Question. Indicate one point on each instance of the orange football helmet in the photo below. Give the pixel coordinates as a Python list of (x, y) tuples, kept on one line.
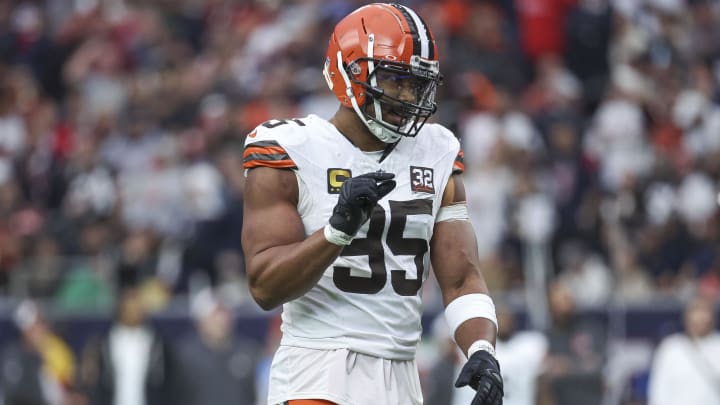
[(381, 42)]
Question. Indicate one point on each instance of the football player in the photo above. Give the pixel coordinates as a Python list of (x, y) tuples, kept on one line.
[(344, 217)]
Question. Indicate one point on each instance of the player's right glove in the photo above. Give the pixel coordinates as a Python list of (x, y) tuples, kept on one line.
[(482, 373), (358, 197)]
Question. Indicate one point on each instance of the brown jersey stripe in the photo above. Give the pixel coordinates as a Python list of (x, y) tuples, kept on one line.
[(263, 144), (270, 157), (271, 150)]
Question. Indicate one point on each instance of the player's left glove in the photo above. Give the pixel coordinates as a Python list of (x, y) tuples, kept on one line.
[(482, 373), (358, 197)]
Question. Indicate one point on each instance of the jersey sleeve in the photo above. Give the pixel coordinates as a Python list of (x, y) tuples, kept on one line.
[(459, 164), (261, 150), (446, 142)]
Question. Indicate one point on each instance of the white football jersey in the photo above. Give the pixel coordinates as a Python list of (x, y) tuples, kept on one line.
[(368, 300)]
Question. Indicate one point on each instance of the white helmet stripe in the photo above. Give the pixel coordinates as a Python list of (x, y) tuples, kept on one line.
[(371, 69), (422, 32)]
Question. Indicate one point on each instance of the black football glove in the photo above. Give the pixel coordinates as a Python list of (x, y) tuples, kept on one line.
[(482, 373), (358, 197)]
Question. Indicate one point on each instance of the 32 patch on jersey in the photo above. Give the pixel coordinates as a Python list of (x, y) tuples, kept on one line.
[(335, 179), (421, 179)]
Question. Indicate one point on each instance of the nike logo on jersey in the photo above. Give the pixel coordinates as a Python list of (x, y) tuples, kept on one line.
[(421, 180)]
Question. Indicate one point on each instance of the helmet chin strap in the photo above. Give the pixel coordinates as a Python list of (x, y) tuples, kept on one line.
[(380, 132)]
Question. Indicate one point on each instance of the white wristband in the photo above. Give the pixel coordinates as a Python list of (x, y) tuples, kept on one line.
[(336, 237), (481, 344), (454, 212), (469, 306)]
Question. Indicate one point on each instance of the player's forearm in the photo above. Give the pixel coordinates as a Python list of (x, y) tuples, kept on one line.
[(465, 293), (473, 330), (469, 282), (283, 273), (458, 274)]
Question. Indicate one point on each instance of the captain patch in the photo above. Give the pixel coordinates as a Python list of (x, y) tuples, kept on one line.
[(335, 179)]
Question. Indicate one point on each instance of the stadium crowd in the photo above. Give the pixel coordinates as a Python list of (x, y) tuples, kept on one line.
[(590, 128)]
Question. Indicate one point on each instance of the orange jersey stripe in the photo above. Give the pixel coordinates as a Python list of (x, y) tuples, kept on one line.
[(459, 164), (277, 164), (458, 167)]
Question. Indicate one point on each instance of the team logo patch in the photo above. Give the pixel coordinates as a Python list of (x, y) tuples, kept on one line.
[(335, 179), (421, 179)]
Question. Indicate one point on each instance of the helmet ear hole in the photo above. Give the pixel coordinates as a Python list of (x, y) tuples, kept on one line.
[(355, 69)]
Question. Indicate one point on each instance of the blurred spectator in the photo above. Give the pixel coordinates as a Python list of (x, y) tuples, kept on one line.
[(587, 276), (484, 47), (632, 282), (88, 281), (616, 142), (572, 369), (137, 261), (215, 205), (95, 70), (588, 28), (520, 352), (133, 364), (217, 367), (91, 190), (13, 130), (45, 269), (685, 368), (40, 370), (438, 386), (541, 25)]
